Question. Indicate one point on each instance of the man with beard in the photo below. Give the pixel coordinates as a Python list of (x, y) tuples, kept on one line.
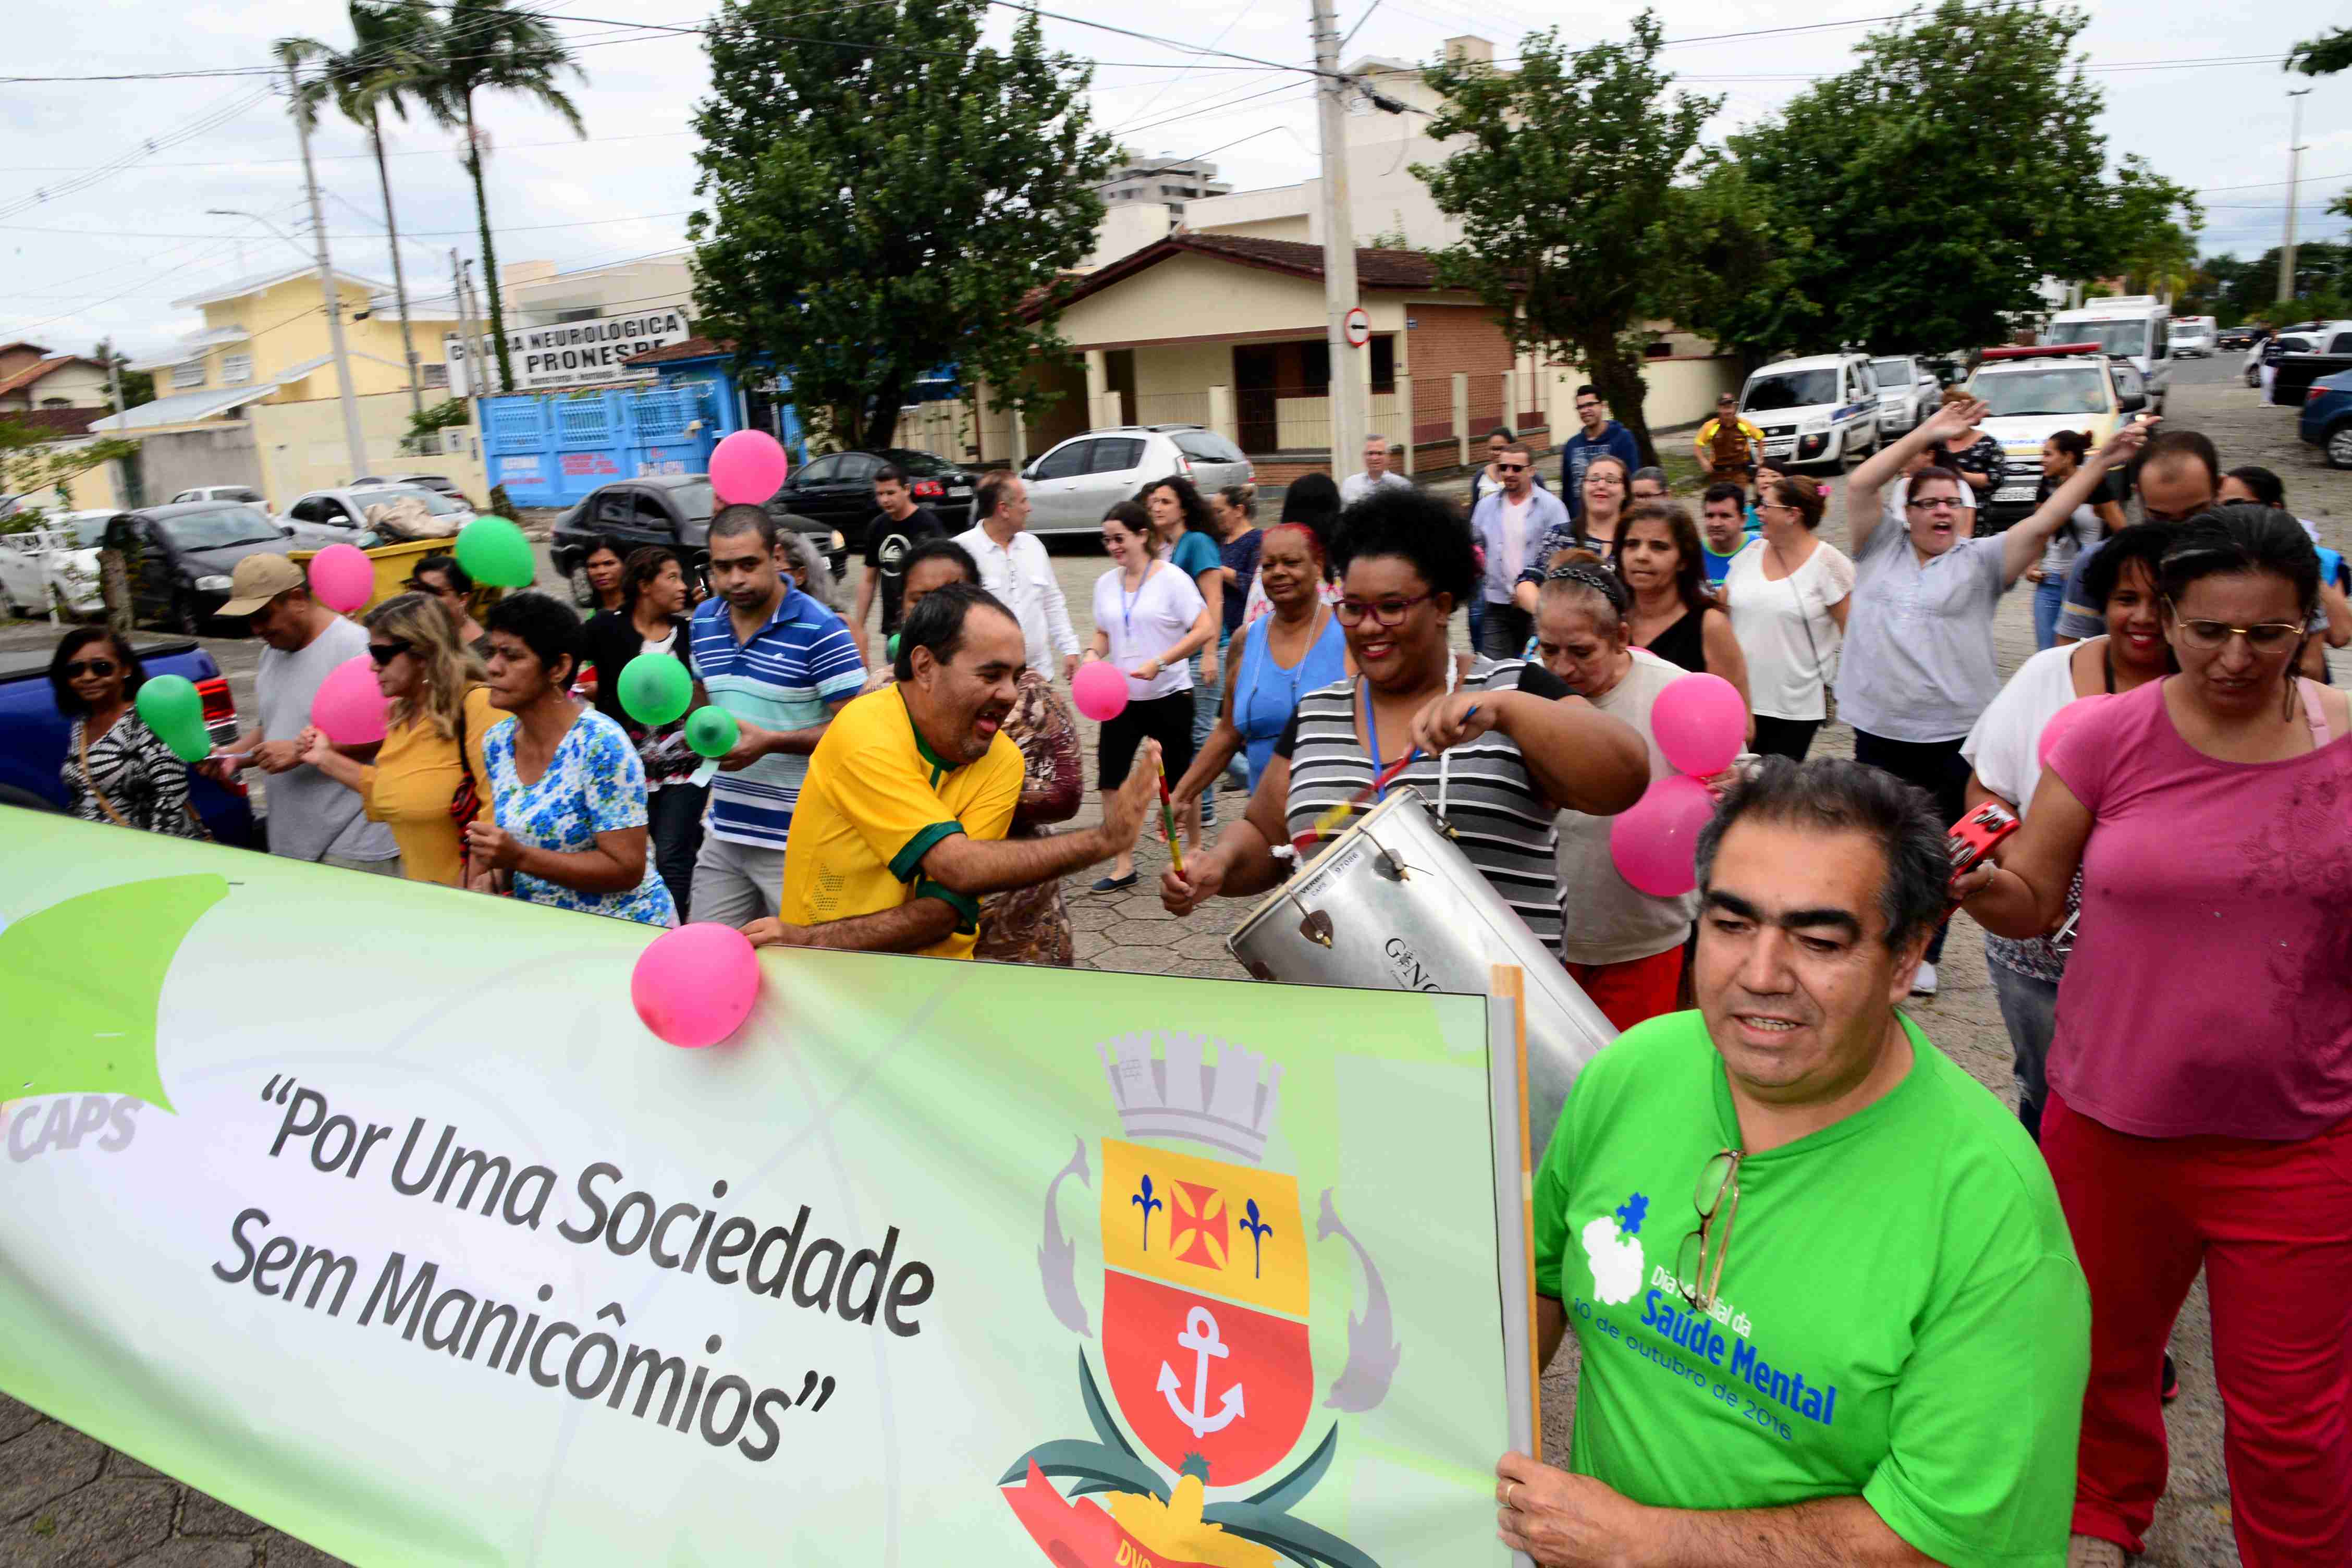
[(901, 823)]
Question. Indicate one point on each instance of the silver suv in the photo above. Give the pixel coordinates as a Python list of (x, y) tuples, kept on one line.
[(1075, 483)]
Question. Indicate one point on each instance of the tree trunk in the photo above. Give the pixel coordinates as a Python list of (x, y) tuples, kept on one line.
[(1618, 379), (399, 279), (489, 254), (882, 422)]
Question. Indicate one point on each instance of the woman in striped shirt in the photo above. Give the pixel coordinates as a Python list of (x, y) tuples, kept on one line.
[(1499, 746)]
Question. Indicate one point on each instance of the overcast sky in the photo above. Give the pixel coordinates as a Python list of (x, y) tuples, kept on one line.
[(108, 258)]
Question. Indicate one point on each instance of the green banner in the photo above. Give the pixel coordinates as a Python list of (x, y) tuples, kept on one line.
[(373, 1210)]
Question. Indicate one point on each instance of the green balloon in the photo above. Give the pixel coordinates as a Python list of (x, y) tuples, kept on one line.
[(890, 649), (655, 689), (494, 553), (712, 731), (169, 705)]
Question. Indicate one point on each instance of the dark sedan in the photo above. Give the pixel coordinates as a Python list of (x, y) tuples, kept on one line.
[(837, 490), (180, 557), (673, 511)]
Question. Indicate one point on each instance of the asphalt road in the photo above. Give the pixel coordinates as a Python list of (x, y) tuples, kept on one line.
[(65, 1499)]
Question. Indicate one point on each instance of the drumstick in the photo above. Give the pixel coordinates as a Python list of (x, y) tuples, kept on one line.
[(1167, 820)]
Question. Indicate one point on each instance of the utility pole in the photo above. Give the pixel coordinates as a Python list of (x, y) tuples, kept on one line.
[(463, 284), (353, 439), (126, 475), (2293, 179), (1346, 401)]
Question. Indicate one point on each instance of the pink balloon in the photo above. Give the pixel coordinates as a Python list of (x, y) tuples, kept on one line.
[(694, 986), (1655, 844), (1700, 724), (342, 578), (349, 705), (1099, 690), (748, 466), (2066, 719)]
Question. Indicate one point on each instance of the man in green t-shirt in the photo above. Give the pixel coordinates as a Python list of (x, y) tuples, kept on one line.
[(1864, 1339)]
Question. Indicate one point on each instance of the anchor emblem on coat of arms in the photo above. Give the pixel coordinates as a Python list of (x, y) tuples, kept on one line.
[(1205, 1317)]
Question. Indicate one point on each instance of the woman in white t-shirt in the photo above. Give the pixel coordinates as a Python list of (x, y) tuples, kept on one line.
[(1149, 619), (1788, 593)]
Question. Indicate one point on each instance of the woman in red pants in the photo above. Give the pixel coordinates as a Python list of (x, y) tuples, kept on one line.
[(2201, 1079)]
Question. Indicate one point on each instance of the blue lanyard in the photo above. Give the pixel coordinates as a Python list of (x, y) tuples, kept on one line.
[(1127, 602), (1372, 740)]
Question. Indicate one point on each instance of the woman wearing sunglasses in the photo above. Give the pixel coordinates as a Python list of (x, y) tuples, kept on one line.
[(2200, 1111), (428, 779), (116, 769), (1499, 746)]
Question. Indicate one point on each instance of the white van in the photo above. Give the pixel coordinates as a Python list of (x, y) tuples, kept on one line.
[(2127, 326), (2192, 336), (1823, 409)]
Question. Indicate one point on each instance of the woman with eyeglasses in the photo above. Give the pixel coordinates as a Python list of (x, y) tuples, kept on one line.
[(1149, 618), (116, 769), (428, 778), (567, 824), (1624, 946), (441, 576), (2200, 1109), (1789, 601), (1597, 527), (1499, 747), (652, 619), (1918, 667)]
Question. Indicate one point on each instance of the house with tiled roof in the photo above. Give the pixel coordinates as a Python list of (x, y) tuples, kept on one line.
[(32, 376)]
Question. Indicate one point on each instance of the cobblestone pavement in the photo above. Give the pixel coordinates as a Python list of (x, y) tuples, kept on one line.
[(69, 1502)]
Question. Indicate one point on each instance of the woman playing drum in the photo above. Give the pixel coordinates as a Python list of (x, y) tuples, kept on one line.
[(1497, 747)]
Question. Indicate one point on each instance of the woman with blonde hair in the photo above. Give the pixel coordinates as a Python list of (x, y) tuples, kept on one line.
[(428, 778)]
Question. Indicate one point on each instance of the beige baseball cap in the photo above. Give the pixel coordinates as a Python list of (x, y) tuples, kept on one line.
[(259, 579)]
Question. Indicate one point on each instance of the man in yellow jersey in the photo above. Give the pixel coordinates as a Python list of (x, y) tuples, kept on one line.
[(900, 825)]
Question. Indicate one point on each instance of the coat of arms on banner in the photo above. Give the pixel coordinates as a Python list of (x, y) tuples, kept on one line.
[(1206, 1330)]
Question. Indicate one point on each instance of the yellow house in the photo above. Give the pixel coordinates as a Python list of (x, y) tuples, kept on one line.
[(269, 334)]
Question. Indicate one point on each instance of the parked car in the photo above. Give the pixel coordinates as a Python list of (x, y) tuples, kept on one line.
[(2294, 369), (33, 733), (245, 493), (669, 510), (440, 484), (2238, 337), (36, 571), (1907, 392), (1823, 409), (2031, 395), (2326, 418), (1073, 484), (837, 490), (2138, 327), (339, 516), (180, 557)]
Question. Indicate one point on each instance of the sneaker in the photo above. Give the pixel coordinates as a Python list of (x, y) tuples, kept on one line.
[(2090, 1552), (1115, 884), (1924, 983)]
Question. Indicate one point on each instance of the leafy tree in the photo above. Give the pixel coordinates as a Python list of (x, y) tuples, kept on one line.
[(1939, 180), (1739, 265), (2323, 55), (1562, 185), (137, 385), (391, 42), (33, 461), (885, 195), (486, 46)]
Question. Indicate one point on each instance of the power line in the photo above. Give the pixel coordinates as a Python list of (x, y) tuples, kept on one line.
[(212, 119), (1195, 113), (420, 233)]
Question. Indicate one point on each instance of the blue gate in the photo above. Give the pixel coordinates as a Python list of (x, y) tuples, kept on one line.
[(551, 449)]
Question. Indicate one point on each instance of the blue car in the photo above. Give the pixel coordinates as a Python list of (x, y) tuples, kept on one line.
[(2327, 417)]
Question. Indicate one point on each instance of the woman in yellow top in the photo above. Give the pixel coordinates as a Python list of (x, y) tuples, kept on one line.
[(435, 685)]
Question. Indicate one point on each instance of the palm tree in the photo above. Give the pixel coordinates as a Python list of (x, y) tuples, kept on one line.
[(378, 72), (485, 46)]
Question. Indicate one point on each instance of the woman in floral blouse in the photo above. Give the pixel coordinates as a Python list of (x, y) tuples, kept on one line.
[(116, 770), (1975, 454), (566, 785), (1027, 925)]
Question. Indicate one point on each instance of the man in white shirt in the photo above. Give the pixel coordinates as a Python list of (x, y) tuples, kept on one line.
[(1509, 523), (1014, 567), (1376, 473)]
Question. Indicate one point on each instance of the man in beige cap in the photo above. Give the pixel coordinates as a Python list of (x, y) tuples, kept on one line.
[(310, 816)]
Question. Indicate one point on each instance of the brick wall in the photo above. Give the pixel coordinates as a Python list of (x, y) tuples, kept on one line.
[(1447, 340)]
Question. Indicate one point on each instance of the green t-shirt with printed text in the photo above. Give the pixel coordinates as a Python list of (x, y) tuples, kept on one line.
[(1902, 1316)]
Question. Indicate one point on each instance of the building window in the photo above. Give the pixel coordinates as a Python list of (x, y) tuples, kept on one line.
[(586, 313), (188, 374), (1384, 362), (236, 369), (436, 375)]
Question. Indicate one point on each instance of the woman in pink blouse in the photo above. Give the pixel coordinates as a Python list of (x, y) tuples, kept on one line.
[(2201, 1077)]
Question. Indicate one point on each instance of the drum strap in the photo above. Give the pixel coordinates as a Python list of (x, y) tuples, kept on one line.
[(1372, 741)]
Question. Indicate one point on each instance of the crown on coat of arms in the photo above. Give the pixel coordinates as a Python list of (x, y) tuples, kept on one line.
[(1229, 1105)]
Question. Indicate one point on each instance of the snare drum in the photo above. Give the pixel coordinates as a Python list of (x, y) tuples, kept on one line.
[(1393, 905)]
